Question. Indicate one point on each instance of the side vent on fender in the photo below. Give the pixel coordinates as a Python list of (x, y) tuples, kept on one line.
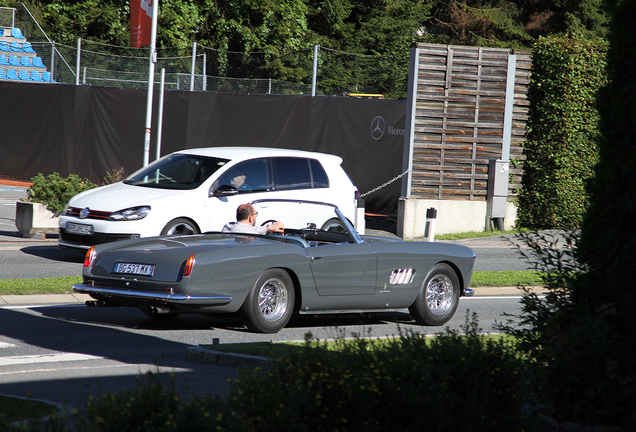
[(402, 276)]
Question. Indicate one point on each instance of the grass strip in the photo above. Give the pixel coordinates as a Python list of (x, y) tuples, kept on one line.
[(54, 285), (505, 278)]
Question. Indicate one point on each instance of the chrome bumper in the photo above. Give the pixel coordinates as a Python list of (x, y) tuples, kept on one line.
[(144, 295)]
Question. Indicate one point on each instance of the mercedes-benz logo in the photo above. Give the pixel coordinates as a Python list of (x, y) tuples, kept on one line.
[(84, 213), (377, 128)]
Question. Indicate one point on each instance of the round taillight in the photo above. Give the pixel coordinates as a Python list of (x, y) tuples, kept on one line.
[(90, 256), (189, 265)]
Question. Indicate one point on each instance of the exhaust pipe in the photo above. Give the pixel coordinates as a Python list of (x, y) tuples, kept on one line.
[(159, 310)]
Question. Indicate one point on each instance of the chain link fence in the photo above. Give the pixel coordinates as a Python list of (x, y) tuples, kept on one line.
[(201, 68)]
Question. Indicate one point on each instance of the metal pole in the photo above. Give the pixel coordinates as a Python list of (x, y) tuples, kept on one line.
[(508, 106), (194, 65), (205, 71), (151, 79), (315, 71), (77, 64), (160, 114), (409, 136)]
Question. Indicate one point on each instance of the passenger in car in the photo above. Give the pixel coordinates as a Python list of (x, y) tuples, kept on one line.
[(246, 223)]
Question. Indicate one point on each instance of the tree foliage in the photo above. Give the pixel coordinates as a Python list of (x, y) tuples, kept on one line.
[(276, 37)]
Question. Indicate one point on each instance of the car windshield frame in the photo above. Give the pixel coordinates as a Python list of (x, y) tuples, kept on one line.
[(348, 226), (178, 171)]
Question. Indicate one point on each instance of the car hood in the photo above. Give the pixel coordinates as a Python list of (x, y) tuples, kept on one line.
[(119, 196)]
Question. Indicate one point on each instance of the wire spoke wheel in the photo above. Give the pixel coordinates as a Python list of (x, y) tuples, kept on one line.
[(270, 303), (438, 299), (439, 294), (272, 299)]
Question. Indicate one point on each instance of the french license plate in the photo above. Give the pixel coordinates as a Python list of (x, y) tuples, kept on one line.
[(80, 229), (136, 269)]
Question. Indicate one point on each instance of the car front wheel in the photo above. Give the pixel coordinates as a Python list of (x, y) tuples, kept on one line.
[(180, 226), (438, 299), (269, 304)]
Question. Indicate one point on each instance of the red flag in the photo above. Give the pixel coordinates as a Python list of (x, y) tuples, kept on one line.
[(140, 22)]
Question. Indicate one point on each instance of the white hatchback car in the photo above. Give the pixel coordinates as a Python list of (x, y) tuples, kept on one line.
[(198, 190)]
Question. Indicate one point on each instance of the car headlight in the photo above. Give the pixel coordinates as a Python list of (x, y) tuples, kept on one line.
[(131, 214)]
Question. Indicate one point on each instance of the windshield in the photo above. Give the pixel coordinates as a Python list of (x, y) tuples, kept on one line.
[(178, 171), (313, 221)]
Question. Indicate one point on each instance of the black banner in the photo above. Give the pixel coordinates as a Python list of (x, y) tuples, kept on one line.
[(90, 131)]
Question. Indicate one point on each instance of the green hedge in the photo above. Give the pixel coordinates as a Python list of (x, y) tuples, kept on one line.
[(56, 191), (562, 147)]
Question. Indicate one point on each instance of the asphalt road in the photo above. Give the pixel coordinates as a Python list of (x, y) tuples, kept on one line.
[(67, 353)]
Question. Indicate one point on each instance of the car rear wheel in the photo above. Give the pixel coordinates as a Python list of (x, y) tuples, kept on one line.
[(438, 299), (180, 226), (269, 305)]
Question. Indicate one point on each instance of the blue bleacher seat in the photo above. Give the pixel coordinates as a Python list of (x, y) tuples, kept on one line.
[(16, 33), (35, 76), (11, 74), (14, 61), (1, 32), (4, 46), (24, 75), (46, 76), (37, 62), (28, 48), (26, 61), (2, 74), (15, 47), (3, 60)]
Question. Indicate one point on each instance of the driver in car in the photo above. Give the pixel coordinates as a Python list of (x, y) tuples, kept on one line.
[(246, 223)]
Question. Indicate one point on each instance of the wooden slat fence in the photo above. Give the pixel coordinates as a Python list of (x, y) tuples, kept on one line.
[(459, 119)]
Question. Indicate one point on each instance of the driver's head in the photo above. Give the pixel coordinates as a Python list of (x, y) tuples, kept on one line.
[(238, 181), (245, 213)]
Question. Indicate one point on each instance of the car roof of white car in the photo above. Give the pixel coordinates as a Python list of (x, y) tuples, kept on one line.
[(234, 153)]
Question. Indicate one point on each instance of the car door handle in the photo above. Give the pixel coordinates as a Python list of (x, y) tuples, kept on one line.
[(312, 259)]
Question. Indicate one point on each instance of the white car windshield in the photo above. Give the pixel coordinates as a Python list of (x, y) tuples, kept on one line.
[(177, 171)]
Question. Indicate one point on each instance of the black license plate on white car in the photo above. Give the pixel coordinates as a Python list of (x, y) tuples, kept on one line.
[(80, 229), (134, 269)]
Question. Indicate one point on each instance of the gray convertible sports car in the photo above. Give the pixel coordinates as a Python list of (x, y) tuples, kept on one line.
[(267, 278)]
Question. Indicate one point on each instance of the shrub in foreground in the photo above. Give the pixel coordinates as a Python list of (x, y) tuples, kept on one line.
[(411, 383)]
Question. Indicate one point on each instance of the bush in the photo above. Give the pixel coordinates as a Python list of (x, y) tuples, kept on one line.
[(563, 132), (55, 192), (410, 383), (582, 366)]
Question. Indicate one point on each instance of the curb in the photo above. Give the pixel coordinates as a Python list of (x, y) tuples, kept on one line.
[(43, 299), (202, 355)]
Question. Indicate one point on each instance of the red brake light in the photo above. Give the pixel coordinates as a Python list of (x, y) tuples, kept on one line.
[(90, 256), (189, 265)]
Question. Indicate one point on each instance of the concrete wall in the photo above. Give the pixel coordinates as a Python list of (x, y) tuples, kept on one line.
[(452, 216)]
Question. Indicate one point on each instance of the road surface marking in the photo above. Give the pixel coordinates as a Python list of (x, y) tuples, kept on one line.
[(45, 358)]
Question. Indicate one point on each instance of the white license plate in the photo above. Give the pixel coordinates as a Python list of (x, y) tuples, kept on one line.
[(136, 269), (80, 229)]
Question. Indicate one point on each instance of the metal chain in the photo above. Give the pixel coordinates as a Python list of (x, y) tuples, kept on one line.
[(385, 184)]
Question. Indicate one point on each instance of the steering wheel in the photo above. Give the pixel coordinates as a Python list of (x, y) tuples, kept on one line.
[(268, 221)]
